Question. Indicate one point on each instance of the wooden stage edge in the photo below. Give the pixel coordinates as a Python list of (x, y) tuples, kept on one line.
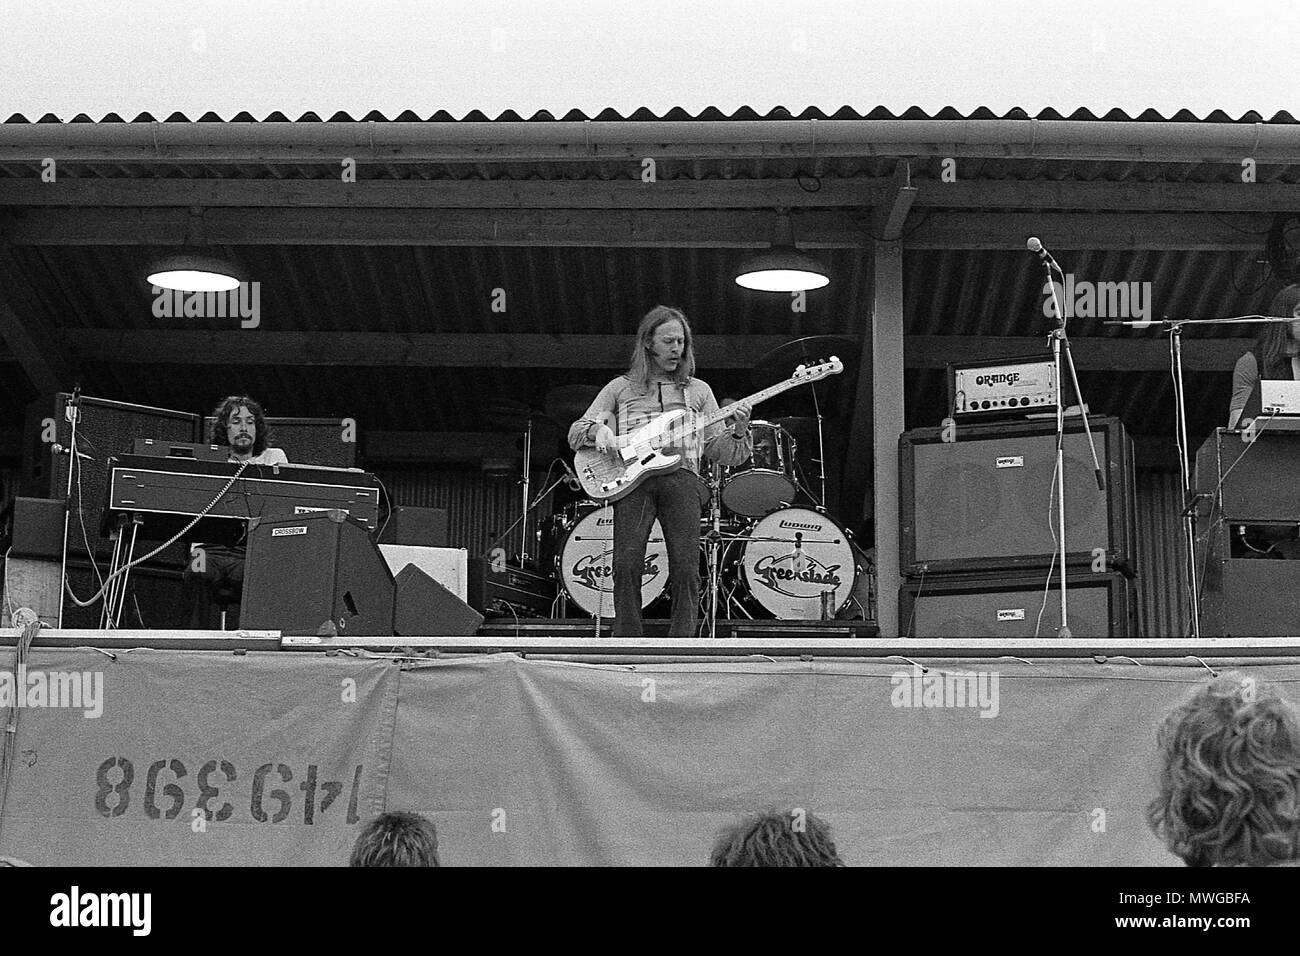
[(742, 642)]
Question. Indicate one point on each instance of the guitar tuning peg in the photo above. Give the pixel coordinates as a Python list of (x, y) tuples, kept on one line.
[(800, 369)]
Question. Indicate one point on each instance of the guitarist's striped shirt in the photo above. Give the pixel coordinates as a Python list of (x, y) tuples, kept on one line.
[(625, 407)]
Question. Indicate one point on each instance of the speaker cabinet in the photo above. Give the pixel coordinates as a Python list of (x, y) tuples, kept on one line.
[(1245, 597), (424, 608), (313, 572), (1256, 480), (985, 502), (156, 598), (32, 528), (426, 527), (1099, 605), (306, 441), (106, 428)]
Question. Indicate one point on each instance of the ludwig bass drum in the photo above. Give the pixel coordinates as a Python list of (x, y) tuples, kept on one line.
[(793, 557), (586, 564)]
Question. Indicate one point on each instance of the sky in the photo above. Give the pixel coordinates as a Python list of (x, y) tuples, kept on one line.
[(133, 56)]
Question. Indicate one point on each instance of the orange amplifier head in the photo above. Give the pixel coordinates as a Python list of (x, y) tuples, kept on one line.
[(1009, 388)]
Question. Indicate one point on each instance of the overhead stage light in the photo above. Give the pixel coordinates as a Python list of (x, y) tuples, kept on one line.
[(195, 272), (782, 267)]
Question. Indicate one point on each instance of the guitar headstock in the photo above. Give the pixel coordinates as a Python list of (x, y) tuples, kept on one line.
[(812, 373)]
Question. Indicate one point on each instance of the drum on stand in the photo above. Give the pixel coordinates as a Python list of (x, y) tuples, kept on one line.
[(793, 558), (767, 480), (586, 563), (554, 528)]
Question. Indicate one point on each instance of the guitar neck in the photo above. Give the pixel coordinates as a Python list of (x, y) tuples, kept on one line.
[(685, 430)]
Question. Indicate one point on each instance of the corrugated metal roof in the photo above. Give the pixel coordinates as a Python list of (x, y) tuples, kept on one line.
[(678, 114)]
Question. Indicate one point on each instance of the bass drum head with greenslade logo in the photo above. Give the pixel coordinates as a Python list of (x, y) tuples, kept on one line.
[(796, 555), (586, 564)]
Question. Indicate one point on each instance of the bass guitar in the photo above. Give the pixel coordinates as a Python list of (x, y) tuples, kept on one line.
[(607, 477)]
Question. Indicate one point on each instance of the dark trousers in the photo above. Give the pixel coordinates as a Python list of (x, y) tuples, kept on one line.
[(675, 500), (219, 575)]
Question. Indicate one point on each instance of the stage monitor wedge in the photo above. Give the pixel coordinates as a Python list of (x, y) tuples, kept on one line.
[(316, 573)]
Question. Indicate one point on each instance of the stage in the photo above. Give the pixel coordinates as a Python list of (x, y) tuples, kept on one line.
[(528, 750)]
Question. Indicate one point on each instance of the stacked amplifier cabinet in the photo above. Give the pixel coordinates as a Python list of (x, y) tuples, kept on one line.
[(978, 526), (1248, 518), (105, 428)]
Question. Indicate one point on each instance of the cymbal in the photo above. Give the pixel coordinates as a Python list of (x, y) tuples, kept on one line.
[(779, 364), (507, 414), (566, 403), (797, 424)]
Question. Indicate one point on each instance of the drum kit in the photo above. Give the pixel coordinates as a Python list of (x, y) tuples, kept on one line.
[(768, 550)]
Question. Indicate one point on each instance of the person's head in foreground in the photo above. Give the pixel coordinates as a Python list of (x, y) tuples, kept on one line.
[(793, 838), (396, 839), (1230, 776)]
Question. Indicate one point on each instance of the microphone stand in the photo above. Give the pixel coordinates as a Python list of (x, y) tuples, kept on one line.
[(72, 413), (1061, 341)]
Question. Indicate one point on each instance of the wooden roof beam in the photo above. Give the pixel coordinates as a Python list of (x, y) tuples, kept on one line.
[(709, 228), (897, 202), (1132, 195), (491, 350)]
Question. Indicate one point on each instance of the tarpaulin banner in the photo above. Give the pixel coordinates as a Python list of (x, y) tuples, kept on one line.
[(531, 762), (176, 757), (972, 762)]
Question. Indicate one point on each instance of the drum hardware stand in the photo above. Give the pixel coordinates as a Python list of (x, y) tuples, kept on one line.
[(821, 448), (527, 484), (1060, 341), (529, 507)]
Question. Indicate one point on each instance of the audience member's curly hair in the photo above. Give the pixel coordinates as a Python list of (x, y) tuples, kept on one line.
[(228, 407), (774, 838), (1230, 776), (396, 839)]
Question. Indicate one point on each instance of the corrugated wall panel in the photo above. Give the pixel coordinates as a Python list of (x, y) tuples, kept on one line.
[(1164, 609), (478, 505)]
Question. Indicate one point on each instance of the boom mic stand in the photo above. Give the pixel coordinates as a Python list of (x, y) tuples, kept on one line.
[(73, 414), (1061, 342)]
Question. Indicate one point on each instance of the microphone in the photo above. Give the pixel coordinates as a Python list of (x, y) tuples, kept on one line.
[(57, 449), (571, 479), (1036, 247), (800, 559)]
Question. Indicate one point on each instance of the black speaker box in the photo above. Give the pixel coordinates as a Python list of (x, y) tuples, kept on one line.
[(426, 527), (424, 608), (306, 441), (981, 503), (32, 528), (1256, 480), (106, 428), (1245, 597), (155, 597), (1099, 605), (314, 572), (507, 590)]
